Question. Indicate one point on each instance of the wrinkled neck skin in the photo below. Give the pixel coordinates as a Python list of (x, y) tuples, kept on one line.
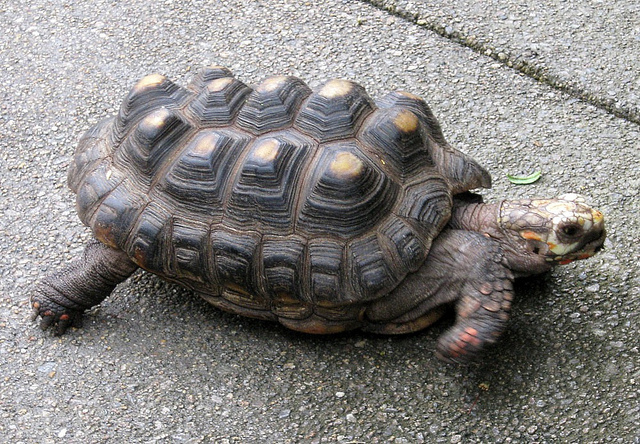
[(484, 219)]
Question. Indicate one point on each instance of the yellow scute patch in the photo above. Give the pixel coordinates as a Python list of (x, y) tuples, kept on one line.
[(346, 165), (335, 88), (266, 150), (157, 119), (150, 80), (205, 145), (271, 83), (406, 121), (218, 85)]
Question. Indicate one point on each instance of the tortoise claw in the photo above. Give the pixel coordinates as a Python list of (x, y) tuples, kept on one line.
[(63, 323), (56, 317), (46, 321)]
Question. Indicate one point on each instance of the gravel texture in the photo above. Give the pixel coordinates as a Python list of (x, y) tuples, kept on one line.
[(155, 364), (589, 48)]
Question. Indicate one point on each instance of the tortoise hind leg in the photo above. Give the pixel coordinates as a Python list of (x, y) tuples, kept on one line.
[(463, 268), (62, 297)]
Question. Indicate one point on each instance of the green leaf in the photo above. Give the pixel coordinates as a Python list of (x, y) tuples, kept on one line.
[(524, 180)]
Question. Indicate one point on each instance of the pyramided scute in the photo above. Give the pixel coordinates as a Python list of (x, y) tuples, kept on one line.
[(326, 265), (427, 204), (233, 253), (371, 270), (335, 111), (407, 240), (93, 147), (397, 137), (266, 185), (93, 188), (206, 75), (116, 213), (159, 133), (284, 270), (273, 104), (416, 105), (218, 102), (190, 258), (150, 93), (462, 171), (347, 193), (150, 240), (199, 177)]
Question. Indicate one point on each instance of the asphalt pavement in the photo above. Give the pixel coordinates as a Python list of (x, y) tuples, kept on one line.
[(156, 364), (588, 48)]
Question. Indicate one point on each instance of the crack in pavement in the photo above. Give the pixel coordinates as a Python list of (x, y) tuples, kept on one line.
[(518, 62)]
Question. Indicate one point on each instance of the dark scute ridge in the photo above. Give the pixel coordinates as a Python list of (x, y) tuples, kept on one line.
[(199, 177), (93, 148), (150, 93), (409, 243), (463, 172), (284, 268), (335, 111), (97, 184), (235, 256), (272, 104), (115, 216), (347, 194), (266, 185), (218, 102), (418, 106), (326, 263), (371, 268), (150, 241), (397, 137), (427, 203), (149, 142), (190, 258), (206, 75)]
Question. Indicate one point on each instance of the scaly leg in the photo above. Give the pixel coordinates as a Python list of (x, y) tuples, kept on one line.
[(62, 297), (463, 268)]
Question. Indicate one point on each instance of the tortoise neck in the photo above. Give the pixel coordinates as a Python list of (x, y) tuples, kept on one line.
[(480, 217)]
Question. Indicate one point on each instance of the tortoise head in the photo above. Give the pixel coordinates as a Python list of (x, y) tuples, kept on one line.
[(542, 233)]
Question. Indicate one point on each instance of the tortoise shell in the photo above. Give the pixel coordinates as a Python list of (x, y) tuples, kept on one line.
[(273, 201)]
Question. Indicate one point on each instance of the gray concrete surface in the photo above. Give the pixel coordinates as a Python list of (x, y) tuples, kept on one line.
[(590, 48), (155, 364)]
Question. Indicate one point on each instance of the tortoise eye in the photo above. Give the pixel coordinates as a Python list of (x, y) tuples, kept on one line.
[(570, 230)]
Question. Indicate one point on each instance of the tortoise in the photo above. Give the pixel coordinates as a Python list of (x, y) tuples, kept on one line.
[(321, 209)]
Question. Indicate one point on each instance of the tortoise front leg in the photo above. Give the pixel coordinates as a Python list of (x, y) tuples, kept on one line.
[(62, 297), (463, 268), (483, 287)]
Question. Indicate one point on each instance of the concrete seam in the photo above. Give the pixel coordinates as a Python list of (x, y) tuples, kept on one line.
[(518, 62)]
